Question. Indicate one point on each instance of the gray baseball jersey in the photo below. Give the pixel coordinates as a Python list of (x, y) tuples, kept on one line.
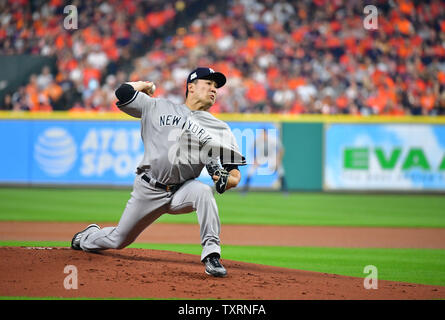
[(178, 142)]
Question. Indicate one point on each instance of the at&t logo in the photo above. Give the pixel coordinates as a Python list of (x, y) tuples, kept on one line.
[(55, 151)]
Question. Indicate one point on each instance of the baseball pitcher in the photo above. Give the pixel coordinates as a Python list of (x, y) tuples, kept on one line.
[(179, 141)]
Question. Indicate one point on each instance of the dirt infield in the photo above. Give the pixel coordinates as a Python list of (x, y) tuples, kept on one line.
[(247, 235), (128, 273), (164, 274)]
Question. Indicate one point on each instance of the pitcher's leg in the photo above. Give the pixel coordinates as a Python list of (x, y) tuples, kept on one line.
[(137, 216), (197, 196)]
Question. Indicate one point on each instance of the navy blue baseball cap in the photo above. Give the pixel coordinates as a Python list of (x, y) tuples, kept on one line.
[(206, 74)]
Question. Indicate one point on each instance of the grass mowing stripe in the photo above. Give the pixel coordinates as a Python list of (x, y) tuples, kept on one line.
[(425, 266), (48, 204), (105, 205)]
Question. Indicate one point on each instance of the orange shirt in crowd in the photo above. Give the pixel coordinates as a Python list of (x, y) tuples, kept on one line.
[(404, 26), (350, 44), (405, 51), (68, 65), (299, 33), (377, 101), (294, 83), (235, 73), (91, 36), (273, 73), (129, 6), (386, 26), (427, 101), (190, 41), (141, 25), (60, 42), (420, 85), (158, 19), (90, 73), (42, 103), (253, 44), (256, 92), (406, 7), (110, 48), (54, 91), (394, 111), (268, 44), (297, 108), (342, 101), (441, 77), (439, 50), (217, 31), (55, 3), (416, 41), (40, 30), (333, 42), (364, 45), (335, 26), (42, 107), (33, 93), (246, 53)]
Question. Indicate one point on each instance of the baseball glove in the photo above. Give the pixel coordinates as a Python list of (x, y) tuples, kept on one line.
[(214, 169)]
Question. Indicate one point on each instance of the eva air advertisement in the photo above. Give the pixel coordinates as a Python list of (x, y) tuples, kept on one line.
[(384, 157)]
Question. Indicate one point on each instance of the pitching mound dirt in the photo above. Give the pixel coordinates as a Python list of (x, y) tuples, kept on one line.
[(128, 273)]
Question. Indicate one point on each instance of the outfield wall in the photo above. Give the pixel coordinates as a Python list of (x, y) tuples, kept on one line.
[(407, 157), (321, 152), (96, 152)]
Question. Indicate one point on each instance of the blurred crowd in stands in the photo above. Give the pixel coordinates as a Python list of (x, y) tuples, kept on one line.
[(289, 57)]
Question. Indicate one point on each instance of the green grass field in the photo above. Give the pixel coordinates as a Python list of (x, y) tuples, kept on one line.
[(426, 266), (316, 209)]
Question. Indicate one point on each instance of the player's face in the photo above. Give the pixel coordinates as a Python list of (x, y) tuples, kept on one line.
[(205, 92)]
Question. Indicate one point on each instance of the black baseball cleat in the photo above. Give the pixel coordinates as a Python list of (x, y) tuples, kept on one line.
[(75, 242), (214, 266)]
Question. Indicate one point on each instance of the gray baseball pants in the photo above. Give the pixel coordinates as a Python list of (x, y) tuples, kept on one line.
[(148, 203)]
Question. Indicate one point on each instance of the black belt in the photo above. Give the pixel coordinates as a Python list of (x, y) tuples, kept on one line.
[(166, 187)]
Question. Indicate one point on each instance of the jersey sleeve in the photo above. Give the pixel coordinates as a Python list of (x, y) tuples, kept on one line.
[(131, 101), (232, 155)]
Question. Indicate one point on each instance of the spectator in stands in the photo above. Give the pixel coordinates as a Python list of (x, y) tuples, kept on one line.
[(44, 79), (291, 57), (20, 101), (7, 103)]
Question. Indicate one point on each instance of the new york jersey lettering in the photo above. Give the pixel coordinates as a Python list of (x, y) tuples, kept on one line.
[(169, 120), (198, 131)]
